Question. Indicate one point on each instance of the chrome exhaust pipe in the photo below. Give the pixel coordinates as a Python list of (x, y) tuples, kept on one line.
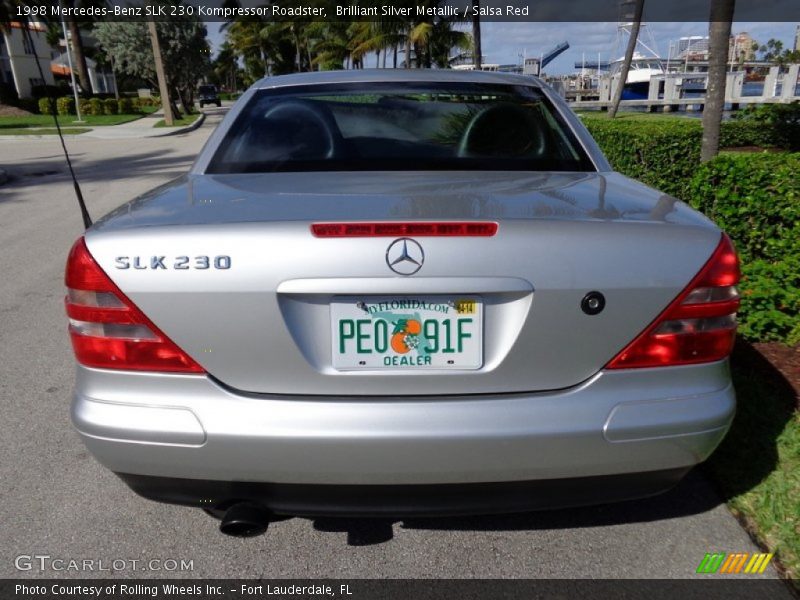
[(245, 520)]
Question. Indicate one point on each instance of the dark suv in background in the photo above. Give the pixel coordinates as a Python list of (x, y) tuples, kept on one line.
[(208, 94)]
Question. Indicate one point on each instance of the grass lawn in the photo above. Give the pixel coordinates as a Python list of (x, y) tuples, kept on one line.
[(65, 120), (757, 466), (635, 116), (43, 131), (182, 122)]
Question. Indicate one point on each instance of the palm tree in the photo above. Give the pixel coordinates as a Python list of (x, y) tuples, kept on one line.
[(721, 19), (476, 34), (626, 65)]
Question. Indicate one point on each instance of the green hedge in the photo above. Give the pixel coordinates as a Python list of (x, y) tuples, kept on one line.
[(65, 106), (125, 106), (660, 153), (756, 199), (665, 152), (777, 124), (46, 106), (110, 106)]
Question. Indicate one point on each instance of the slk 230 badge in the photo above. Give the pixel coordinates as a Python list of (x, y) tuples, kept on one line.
[(178, 263)]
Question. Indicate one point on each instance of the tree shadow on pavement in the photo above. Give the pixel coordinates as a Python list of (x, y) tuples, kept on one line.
[(52, 170)]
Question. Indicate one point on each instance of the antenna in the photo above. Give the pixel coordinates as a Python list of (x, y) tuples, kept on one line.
[(87, 220)]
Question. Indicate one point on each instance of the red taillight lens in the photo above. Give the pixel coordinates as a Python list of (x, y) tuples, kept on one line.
[(700, 324), (420, 229), (108, 331)]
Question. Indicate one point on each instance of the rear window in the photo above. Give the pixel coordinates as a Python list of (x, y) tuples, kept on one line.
[(207, 89), (397, 127)]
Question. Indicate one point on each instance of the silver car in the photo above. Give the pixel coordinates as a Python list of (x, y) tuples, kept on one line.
[(401, 292)]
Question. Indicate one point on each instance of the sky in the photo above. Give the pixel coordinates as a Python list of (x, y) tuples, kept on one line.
[(504, 43)]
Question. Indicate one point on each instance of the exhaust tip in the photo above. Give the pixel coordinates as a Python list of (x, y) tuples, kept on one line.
[(245, 520)]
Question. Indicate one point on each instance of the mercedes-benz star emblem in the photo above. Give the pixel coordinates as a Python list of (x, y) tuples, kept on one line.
[(405, 256)]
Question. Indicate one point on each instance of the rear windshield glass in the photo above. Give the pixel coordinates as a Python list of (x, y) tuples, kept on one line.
[(207, 89), (397, 127)]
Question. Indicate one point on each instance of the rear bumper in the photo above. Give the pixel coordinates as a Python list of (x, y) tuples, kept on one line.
[(634, 423), (406, 500)]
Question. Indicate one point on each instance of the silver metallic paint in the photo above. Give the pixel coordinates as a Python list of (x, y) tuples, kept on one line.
[(272, 408), (429, 439)]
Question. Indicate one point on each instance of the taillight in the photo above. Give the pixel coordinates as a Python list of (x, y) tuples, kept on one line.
[(698, 326), (108, 331)]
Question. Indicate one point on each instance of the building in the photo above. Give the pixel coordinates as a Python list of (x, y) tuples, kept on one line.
[(101, 79), (742, 48), (694, 47), (797, 38), (18, 53)]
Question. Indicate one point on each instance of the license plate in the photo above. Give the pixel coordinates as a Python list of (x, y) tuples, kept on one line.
[(407, 332)]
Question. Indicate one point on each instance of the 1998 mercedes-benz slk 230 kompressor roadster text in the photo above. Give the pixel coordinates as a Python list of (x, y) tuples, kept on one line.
[(401, 292)]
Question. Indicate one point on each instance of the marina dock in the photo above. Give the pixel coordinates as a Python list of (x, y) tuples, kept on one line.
[(671, 92)]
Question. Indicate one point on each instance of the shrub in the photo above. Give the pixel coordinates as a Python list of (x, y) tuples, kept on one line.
[(125, 106), (65, 106), (46, 106), (663, 154), (770, 309), (739, 134), (96, 106), (110, 106), (756, 199), (85, 106), (778, 124)]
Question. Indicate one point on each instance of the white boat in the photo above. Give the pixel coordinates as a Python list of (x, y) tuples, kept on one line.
[(642, 69)]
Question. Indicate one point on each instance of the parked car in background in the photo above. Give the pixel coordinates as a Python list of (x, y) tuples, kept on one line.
[(208, 94), (401, 292)]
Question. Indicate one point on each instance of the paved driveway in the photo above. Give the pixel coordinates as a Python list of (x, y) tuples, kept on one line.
[(58, 501)]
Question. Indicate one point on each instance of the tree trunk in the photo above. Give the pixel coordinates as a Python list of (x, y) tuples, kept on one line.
[(476, 35), (77, 52), (394, 58), (626, 65), (719, 35), (408, 49), (163, 89)]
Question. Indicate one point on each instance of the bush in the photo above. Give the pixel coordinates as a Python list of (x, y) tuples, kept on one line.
[(46, 106), (65, 106), (85, 106), (125, 106), (96, 107), (755, 198), (663, 154), (110, 106), (740, 134), (770, 301), (778, 124)]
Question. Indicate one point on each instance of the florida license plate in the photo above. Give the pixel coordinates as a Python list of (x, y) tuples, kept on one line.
[(407, 332)]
